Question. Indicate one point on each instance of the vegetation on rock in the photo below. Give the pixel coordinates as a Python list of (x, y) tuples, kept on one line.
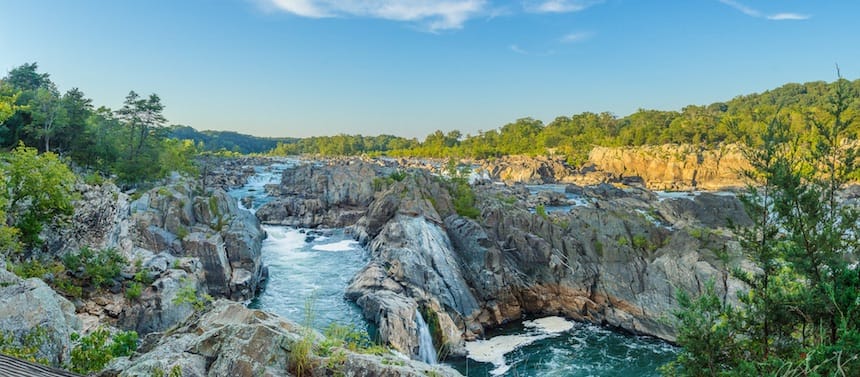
[(801, 314)]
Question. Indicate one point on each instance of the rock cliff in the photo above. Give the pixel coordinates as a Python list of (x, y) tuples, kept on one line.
[(675, 167), (663, 167)]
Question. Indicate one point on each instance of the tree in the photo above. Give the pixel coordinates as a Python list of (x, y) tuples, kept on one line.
[(39, 189), (78, 109), (801, 315), (8, 104), (49, 115), (25, 77), (143, 119)]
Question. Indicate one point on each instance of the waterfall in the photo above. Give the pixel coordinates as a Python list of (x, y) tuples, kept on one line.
[(426, 351)]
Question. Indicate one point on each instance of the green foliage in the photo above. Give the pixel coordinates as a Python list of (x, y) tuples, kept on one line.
[(36, 269), (461, 192), (188, 294), (540, 210), (301, 351), (801, 315), (39, 189), (707, 334), (175, 371), (133, 291), (96, 267), (92, 352), (642, 242), (25, 348), (348, 337)]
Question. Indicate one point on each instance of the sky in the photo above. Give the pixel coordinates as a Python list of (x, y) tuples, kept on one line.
[(297, 68)]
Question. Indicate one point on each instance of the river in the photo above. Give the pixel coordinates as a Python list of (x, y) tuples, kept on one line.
[(313, 267)]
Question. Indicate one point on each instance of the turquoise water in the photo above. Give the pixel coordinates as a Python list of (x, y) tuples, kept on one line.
[(315, 266), (584, 350)]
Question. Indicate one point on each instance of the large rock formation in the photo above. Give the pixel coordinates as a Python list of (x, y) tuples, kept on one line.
[(30, 306), (617, 261), (231, 340), (316, 194), (525, 169), (675, 167), (210, 227), (664, 167)]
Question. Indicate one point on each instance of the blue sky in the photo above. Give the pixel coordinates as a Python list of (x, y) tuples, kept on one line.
[(408, 67)]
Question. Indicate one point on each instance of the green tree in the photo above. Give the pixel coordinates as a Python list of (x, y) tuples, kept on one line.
[(801, 315), (48, 113), (39, 189)]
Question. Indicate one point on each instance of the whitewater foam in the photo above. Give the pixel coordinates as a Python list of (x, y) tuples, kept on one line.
[(345, 245)]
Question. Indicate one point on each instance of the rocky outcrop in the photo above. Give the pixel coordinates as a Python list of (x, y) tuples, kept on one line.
[(315, 194), (665, 167), (30, 306), (211, 228), (231, 340), (674, 167), (525, 169), (616, 261)]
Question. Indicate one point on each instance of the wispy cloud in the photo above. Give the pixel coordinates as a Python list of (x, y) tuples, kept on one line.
[(558, 6), (518, 50), (435, 15), (788, 16), (576, 37), (758, 14)]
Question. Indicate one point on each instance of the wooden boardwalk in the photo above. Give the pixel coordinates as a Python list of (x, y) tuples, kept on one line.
[(12, 367)]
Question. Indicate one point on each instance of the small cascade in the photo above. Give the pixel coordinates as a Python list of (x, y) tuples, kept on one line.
[(426, 351)]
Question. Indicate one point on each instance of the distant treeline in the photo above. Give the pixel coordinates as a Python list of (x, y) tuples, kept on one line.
[(227, 140), (740, 119)]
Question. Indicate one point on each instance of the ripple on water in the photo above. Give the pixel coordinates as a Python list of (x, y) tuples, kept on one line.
[(556, 347)]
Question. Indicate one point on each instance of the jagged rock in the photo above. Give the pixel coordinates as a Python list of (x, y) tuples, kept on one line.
[(525, 169), (616, 263), (312, 195), (705, 210), (157, 309), (209, 248), (674, 167), (231, 340), (28, 305)]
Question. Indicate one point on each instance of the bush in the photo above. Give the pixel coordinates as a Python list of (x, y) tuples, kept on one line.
[(188, 294), (92, 352), (27, 347), (97, 268), (133, 291)]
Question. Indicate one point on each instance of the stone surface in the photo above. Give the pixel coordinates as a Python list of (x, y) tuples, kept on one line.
[(27, 305), (231, 340)]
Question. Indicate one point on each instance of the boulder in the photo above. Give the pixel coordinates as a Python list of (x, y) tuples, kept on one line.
[(31, 305)]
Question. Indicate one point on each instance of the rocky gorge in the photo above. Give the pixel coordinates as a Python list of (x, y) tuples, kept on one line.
[(616, 258), (608, 254)]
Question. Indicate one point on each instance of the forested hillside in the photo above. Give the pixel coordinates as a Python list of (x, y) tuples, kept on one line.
[(574, 136), (214, 141)]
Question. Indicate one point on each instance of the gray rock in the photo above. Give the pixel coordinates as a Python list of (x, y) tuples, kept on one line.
[(27, 305), (213, 256), (231, 340)]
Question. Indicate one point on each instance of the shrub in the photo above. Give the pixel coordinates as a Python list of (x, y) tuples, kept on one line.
[(27, 347), (92, 352), (540, 210), (133, 291), (98, 268), (188, 294)]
